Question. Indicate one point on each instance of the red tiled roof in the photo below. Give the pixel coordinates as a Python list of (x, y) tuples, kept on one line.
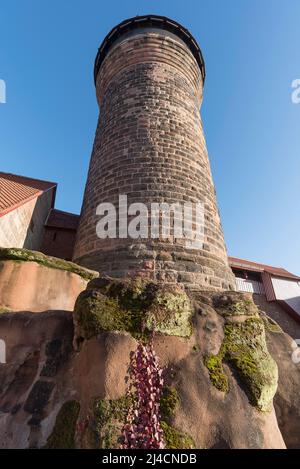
[(60, 219), (17, 190), (249, 265)]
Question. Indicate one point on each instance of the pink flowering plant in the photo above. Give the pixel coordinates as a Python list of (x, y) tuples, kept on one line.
[(142, 428)]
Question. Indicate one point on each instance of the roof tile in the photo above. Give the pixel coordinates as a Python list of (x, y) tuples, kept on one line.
[(16, 190)]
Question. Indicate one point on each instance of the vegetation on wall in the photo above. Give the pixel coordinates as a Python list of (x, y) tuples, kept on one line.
[(142, 428), (174, 438), (108, 419), (133, 306), (244, 347), (25, 255)]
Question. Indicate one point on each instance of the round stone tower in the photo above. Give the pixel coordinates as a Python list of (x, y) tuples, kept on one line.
[(150, 147)]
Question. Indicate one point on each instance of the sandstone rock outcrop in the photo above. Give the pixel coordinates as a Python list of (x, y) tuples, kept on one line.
[(31, 281), (54, 396)]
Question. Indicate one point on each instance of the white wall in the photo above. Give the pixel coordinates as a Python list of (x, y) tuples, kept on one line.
[(250, 286), (15, 225), (289, 291)]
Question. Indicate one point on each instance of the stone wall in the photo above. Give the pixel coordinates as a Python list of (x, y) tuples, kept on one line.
[(150, 145), (58, 243)]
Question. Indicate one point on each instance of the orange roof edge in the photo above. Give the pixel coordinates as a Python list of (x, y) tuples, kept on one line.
[(19, 204), (34, 187), (275, 271), (29, 178)]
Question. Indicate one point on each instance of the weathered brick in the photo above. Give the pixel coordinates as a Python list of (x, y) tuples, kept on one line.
[(149, 144)]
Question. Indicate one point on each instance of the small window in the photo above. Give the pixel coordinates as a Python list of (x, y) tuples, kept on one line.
[(54, 236)]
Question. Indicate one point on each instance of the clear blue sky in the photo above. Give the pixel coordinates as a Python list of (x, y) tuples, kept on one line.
[(251, 49)]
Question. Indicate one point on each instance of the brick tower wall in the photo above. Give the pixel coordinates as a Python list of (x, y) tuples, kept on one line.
[(150, 145)]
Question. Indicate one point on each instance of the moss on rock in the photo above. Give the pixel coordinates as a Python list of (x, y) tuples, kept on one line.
[(168, 402), (234, 304), (271, 325), (175, 439), (170, 313), (95, 312), (132, 306), (63, 433), (25, 255), (131, 294), (214, 364), (108, 419), (245, 348)]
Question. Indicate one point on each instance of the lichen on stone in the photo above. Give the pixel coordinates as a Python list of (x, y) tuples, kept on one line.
[(246, 350), (170, 313), (271, 325), (25, 255), (244, 347), (234, 304), (63, 433), (95, 312), (131, 294), (132, 306)]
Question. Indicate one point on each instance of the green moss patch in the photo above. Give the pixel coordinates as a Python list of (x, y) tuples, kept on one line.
[(244, 347), (130, 294), (63, 434), (175, 439), (25, 255), (214, 364), (132, 306), (168, 402), (95, 313), (246, 350), (170, 313), (108, 419)]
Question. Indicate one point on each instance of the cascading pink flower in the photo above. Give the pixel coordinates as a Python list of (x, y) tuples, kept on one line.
[(142, 428)]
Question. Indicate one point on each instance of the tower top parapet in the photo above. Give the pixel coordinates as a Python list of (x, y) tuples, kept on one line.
[(155, 22)]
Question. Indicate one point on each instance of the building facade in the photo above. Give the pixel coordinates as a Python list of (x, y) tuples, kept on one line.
[(29, 220), (24, 206), (274, 289)]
